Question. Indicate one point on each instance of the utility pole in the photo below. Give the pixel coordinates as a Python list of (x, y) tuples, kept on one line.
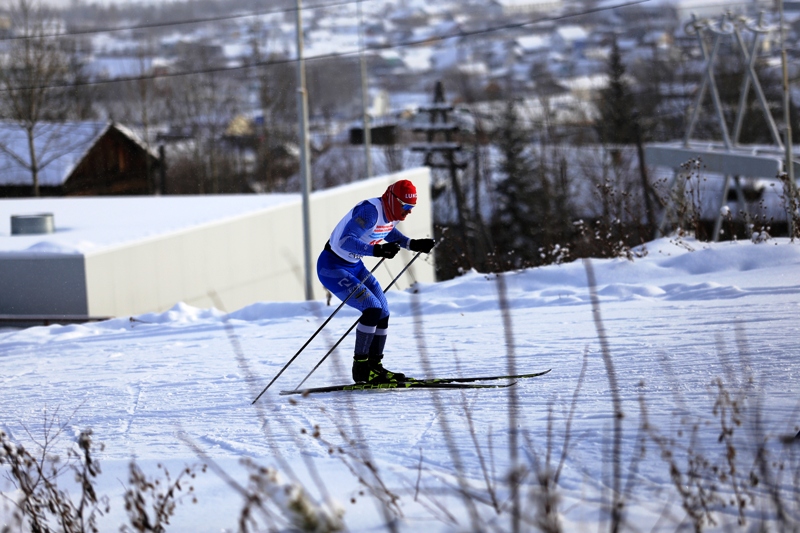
[(305, 162), (440, 109), (787, 119), (648, 203), (364, 94)]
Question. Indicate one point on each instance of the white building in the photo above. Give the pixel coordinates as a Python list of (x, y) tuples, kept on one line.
[(522, 7), (569, 38), (117, 256)]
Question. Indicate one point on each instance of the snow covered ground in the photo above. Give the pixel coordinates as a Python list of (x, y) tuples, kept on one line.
[(176, 389)]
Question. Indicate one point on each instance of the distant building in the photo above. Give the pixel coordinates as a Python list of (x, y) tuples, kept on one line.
[(684, 9), (110, 67), (384, 134), (75, 159), (521, 7), (570, 38)]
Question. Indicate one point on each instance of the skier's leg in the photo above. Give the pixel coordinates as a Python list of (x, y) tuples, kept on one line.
[(341, 280), (365, 333), (376, 353), (382, 326), (379, 338)]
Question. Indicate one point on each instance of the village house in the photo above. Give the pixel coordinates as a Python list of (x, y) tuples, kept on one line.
[(76, 159)]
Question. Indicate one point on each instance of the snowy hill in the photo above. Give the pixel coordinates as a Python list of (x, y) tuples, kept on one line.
[(700, 339)]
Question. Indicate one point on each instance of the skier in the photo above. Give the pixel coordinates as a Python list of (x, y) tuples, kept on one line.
[(340, 270)]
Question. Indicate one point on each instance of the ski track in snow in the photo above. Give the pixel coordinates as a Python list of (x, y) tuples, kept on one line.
[(673, 327)]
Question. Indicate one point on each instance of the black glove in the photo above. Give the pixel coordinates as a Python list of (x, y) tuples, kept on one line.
[(387, 250), (421, 245)]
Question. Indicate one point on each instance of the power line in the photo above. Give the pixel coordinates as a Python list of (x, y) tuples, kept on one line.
[(273, 62), (262, 13), (178, 22)]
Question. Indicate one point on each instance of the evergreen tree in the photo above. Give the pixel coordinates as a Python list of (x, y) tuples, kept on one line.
[(515, 219), (615, 123)]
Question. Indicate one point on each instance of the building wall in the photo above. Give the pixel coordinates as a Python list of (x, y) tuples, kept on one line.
[(26, 191), (227, 265), (42, 284), (234, 263), (114, 165)]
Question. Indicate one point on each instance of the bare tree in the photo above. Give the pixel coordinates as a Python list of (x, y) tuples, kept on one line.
[(145, 93), (34, 75), (277, 128), (203, 104)]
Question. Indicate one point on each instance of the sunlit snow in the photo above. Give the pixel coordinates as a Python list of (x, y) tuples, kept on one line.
[(166, 387)]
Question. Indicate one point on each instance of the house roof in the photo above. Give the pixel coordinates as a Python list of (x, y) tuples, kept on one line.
[(572, 33), (60, 147), (111, 67), (527, 3), (531, 43)]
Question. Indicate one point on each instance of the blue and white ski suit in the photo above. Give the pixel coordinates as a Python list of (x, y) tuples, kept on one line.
[(340, 269)]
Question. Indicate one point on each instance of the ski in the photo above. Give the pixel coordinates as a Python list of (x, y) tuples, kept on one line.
[(403, 385), (481, 378)]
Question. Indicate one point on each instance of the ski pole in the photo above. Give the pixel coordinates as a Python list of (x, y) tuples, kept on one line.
[(303, 347), (354, 323)]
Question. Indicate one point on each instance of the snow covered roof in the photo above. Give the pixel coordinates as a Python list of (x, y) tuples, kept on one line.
[(111, 67), (418, 58), (60, 147), (321, 42), (236, 50), (529, 4), (475, 68), (531, 43), (701, 7), (90, 224), (110, 42), (593, 82), (572, 33)]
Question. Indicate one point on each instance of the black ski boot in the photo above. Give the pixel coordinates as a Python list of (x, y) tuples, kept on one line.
[(370, 370), (360, 368), (381, 375)]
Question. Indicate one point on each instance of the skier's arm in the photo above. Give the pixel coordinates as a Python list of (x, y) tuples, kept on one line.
[(415, 245), (365, 216), (396, 236)]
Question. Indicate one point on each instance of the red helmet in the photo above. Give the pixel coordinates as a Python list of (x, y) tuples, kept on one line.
[(399, 199)]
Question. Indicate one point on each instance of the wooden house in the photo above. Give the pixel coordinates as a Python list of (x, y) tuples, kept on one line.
[(76, 159)]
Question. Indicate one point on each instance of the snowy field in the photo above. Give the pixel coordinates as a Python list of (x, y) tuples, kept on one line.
[(701, 340)]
